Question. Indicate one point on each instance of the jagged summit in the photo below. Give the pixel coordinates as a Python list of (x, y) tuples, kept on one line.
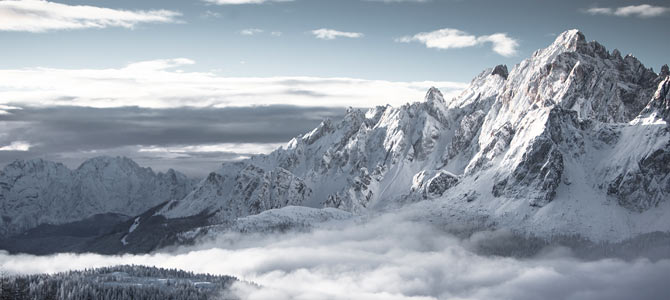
[(569, 40), (434, 94), (665, 71), (500, 70)]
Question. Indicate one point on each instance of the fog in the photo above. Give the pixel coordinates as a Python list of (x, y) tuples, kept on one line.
[(386, 257)]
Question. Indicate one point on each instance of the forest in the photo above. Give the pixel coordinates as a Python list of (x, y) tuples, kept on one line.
[(116, 283)]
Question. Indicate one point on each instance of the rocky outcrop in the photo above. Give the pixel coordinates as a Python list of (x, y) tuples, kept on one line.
[(645, 185), (537, 176), (433, 184)]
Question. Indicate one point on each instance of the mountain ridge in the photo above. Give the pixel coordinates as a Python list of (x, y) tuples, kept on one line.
[(35, 192), (536, 133), (573, 140)]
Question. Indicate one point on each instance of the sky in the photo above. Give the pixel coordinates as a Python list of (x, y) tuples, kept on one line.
[(192, 83)]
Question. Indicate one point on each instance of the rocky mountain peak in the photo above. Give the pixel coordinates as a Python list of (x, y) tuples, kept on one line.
[(434, 94), (32, 164), (664, 71), (107, 161), (570, 40), (500, 70)]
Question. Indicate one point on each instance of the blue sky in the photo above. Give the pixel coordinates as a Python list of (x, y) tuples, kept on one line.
[(210, 35), (191, 83)]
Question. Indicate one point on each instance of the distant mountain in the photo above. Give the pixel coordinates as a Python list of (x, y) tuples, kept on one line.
[(37, 192), (573, 140)]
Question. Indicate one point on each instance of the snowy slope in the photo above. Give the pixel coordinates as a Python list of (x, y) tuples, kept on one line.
[(573, 140), (36, 192)]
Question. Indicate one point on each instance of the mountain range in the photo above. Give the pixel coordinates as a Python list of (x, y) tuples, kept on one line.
[(572, 141)]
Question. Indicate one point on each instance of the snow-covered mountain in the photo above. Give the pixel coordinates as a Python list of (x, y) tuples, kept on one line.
[(38, 192), (573, 140)]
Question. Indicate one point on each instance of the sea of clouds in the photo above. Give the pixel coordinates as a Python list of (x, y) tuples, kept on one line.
[(386, 257)]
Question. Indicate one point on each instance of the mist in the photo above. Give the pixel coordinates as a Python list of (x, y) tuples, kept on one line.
[(385, 257)]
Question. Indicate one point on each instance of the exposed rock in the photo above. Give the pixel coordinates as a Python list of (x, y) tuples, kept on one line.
[(433, 184), (500, 70), (647, 185), (541, 167)]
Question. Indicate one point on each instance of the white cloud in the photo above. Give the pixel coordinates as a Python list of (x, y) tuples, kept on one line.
[(449, 38), (160, 84), (502, 44), (640, 11), (16, 146), (5, 109), (40, 16), (330, 34), (399, 1), (255, 31), (388, 257), (238, 2), (251, 31), (180, 151), (211, 14)]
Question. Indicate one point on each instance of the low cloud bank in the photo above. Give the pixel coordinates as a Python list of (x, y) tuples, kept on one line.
[(385, 258), (164, 83)]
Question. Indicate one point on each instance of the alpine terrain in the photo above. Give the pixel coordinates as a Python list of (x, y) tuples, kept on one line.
[(573, 141)]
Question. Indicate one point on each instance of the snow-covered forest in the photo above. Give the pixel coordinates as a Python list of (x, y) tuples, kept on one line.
[(120, 282)]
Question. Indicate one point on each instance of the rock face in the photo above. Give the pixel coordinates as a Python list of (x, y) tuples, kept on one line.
[(433, 184), (562, 121), (38, 192)]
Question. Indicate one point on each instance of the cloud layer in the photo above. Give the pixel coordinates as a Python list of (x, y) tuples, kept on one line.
[(161, 84), (70, 115), (40, 16), (385, 258), (238, 2), (449, 38), (331, 34), (640, 11), (192, 140)]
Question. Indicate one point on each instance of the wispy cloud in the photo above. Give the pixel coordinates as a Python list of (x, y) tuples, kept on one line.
[(192, 140), (399, 1), (255, 31), (247, 148), (16, 146), (211, 14), (331, 34), (238, 2), (640, 11), (5, 109), (449, 38), (161, 84), (251, 31), (41, 16)]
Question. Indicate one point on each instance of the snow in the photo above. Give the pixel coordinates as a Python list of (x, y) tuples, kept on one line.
[(489, 141), (134, 225), (37, 191), (570, 142)]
